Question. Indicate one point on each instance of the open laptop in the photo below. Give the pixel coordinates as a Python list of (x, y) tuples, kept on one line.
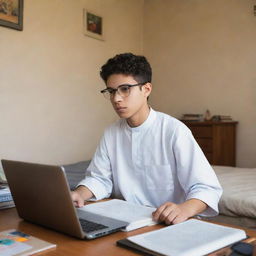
[(42, 196)]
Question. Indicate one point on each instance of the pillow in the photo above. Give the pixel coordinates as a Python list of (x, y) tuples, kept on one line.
[(76, 172)]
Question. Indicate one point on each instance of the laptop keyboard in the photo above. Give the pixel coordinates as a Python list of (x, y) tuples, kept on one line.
[(89, 226)]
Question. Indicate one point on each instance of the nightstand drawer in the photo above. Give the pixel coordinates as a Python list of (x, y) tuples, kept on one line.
[(205, 144), (217, 140), (209, 157), (201, 131)]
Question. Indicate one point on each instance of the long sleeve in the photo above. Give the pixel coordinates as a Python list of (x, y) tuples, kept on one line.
[(99, 175), (195, 174)]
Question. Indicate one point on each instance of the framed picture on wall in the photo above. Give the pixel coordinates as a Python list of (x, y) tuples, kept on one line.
[(93, 25), (11, 14)]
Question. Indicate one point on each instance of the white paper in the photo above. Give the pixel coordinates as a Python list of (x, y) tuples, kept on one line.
[(193, 238), (136, 215)]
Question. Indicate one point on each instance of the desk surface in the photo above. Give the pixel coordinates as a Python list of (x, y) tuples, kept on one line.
[(67, 245)]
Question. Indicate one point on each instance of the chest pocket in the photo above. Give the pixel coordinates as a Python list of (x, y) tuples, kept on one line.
[(159, 177)]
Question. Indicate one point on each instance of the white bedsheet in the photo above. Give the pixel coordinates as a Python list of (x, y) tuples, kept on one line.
[(239, 191)]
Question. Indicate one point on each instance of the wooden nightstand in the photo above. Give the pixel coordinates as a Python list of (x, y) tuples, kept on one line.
[(217, 140)]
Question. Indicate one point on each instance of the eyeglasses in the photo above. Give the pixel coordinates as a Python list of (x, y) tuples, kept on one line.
[(123, 90)]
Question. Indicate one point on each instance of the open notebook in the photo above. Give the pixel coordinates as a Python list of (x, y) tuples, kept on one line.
[(189, 238), (136, 215)]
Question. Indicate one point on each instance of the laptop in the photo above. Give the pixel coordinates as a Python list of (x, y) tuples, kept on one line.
[(42, 196)]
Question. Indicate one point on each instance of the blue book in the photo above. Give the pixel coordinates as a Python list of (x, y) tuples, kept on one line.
[(5, 195)]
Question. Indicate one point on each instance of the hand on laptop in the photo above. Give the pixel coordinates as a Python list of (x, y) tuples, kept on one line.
[(80, 195)]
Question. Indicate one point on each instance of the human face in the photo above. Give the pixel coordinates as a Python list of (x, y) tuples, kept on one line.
[(134, 107)]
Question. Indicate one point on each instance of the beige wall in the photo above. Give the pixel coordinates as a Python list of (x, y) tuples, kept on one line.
[(51, 110), (202, 52), (204, 56)]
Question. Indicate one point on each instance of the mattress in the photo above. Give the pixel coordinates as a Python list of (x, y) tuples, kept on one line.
[(239, 191), (244, 222)]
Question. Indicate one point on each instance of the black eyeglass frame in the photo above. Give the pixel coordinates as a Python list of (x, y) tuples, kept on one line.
[(112, 91)]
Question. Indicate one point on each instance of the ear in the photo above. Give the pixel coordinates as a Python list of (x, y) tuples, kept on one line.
[(147, 89)]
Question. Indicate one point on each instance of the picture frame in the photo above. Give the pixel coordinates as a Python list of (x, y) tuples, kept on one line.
[(11, 14), (93, 25)]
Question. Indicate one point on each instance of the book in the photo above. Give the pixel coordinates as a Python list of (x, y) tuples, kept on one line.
[(221, 118), (2, 176), (192, 117), (192, 237), (5, 194), (8, 204), (136, 215), (14, 242), (6, 200)]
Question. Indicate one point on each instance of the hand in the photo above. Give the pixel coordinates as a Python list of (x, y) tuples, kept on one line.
[(80, 195), (77, 199), (170, 213)]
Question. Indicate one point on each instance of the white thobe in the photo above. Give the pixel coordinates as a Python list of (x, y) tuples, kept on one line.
[(156, 162)]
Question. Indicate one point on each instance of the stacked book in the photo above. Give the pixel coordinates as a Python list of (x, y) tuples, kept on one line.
[(221, 118), (6, 200), (192, 117)]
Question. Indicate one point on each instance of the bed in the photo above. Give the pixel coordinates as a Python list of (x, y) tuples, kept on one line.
[(238, 202)]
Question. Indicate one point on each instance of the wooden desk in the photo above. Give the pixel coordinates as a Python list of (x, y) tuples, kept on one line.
[(67, 245)]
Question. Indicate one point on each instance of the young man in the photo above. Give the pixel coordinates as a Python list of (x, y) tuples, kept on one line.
[(147, 157)]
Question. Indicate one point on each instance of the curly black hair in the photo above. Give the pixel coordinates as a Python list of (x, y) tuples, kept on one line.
[(128, 64)]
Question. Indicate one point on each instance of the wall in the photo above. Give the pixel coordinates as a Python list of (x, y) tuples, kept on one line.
[(202, 52), (203, 55), (50, 107)]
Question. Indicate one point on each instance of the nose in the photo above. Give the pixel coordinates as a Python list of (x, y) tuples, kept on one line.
[(116, 97)]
